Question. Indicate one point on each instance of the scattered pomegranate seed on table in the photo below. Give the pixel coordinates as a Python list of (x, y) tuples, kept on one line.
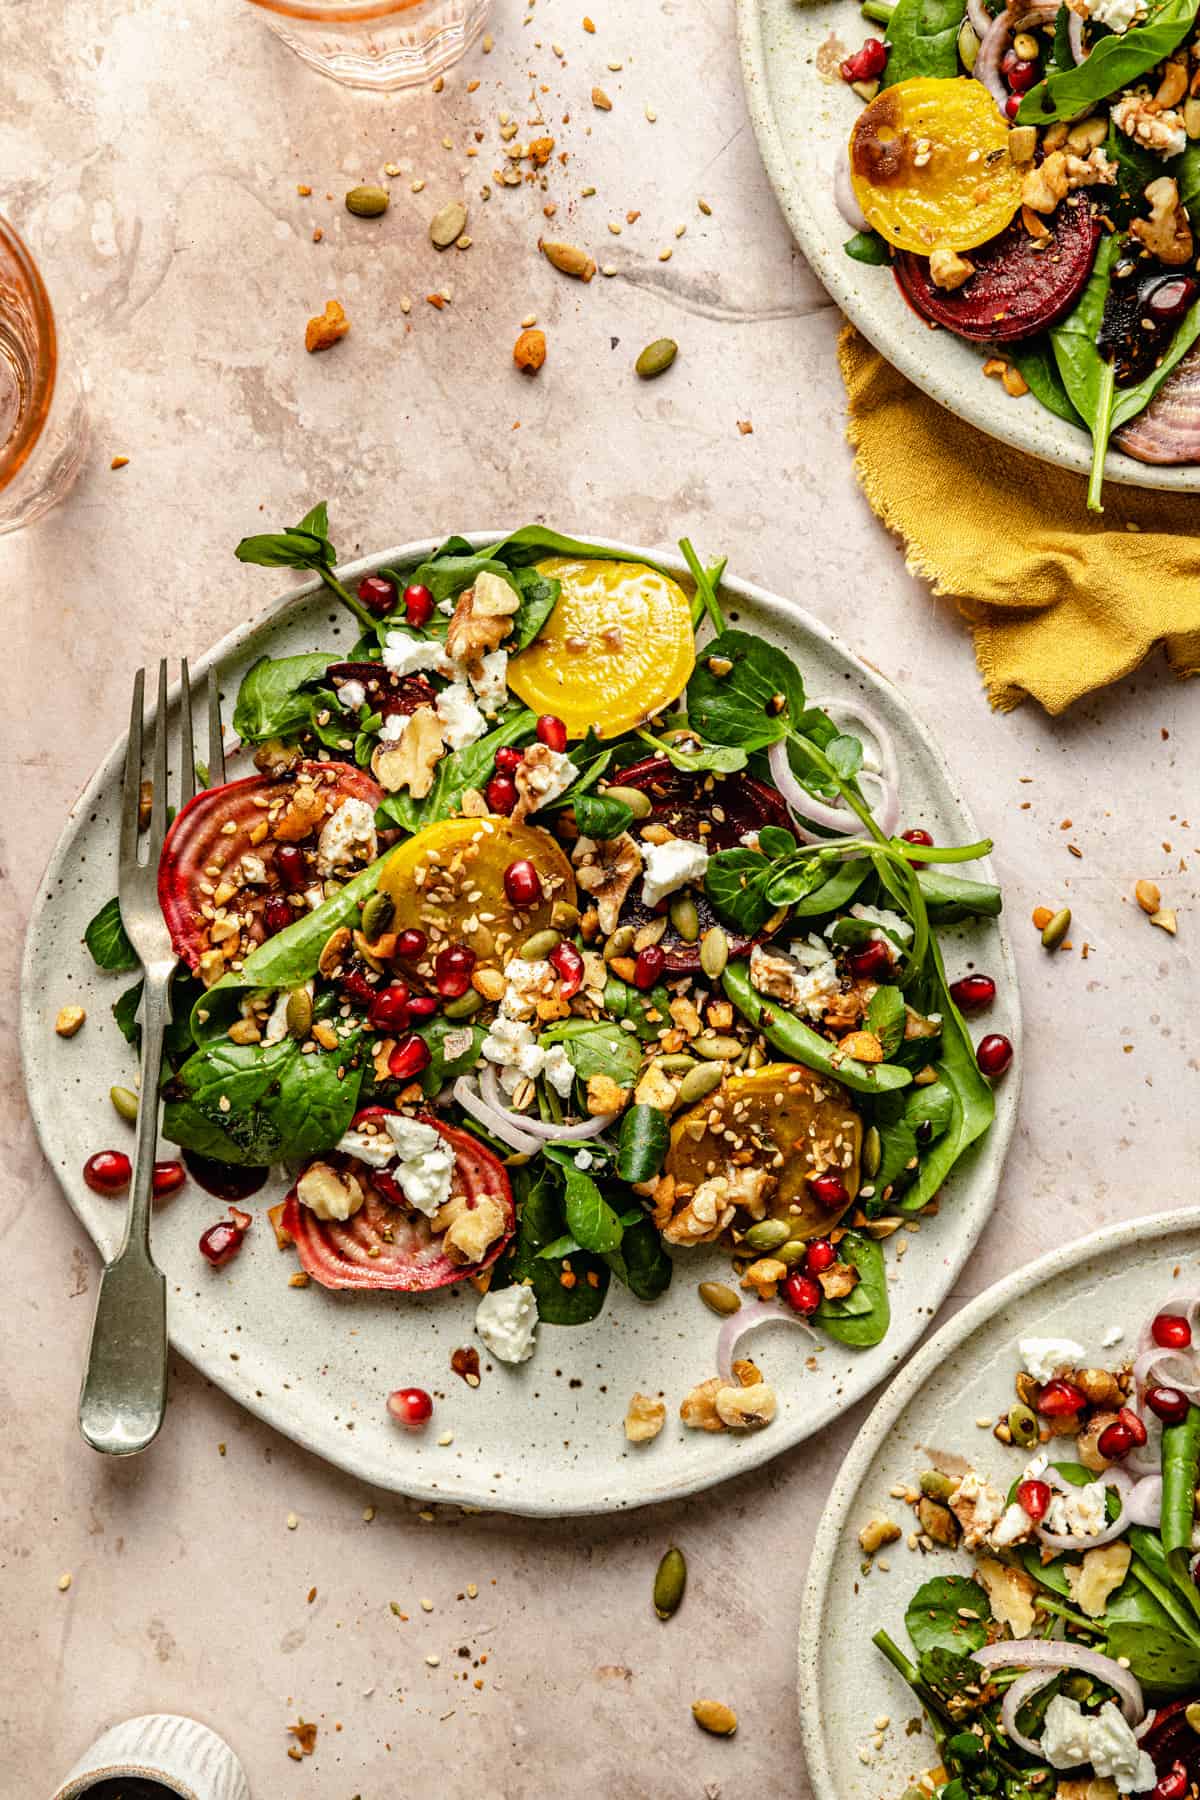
[(108, 1171), (411, 1407), (168, 1178), (1171, 1331), (221, 1242)]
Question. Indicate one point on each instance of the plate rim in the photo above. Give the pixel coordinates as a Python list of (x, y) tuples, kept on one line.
[(755, 1451), (882, 1419), (1124, 471)]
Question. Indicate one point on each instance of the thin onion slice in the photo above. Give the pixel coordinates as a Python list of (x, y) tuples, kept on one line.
[(499, 1124), (1112, 1478), (1144, 1506), (1046, 1656), (494, 1096), (747, 1319), (818, 812), (980, 17), (996, 39)]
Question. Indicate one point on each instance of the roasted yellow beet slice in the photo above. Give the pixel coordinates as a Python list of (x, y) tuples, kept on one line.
[(448, 882), (794, 1122), (617, 648), (929, 163)]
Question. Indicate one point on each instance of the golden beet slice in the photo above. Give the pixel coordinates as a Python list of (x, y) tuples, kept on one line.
[(782, 1108)]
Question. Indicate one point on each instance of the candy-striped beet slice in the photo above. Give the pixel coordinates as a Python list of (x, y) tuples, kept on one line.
[(1017, 289), (1169, 429)]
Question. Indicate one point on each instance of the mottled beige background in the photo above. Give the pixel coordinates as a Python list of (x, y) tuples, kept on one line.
[(152, 154)]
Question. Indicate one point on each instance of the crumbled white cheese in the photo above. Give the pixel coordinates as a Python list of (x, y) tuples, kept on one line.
[(1071, 1737), (584, 1160), (1118, 15), (546, 773), (254, 869), (426, 1162), (276, 1027), (977, 1507), (351, 695), (528, 982), (559, 1070), (462, 721), (1044, 1357), (511, 1046), (490, 680), (404, 655), (890, 926), (1112, 1336), (374, 1148), (394, 727), (668, 866), (1080, 1512), (808, 990), (1016, 1527), (347, 837), (506, 1319)]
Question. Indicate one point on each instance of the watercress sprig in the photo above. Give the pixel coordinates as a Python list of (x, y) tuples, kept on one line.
[(305, 546)]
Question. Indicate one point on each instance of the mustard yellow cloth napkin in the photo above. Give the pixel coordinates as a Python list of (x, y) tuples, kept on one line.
[(1060, 601)]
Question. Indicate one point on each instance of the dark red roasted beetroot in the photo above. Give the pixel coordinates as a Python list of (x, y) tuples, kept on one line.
[(1170, 1740), (1016, 289), (386, 694)]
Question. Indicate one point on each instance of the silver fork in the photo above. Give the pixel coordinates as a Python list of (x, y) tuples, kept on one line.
[(124, 1391)]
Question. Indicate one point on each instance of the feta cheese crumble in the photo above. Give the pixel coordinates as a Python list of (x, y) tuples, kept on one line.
[(351, 695), (1118, 15), (544, 774), (807, 980), (1080, 1512), (490, 680), (559, 1071), (347, 837), (462, 721), (511, 1045), (403, 655), (1071, 1737), (506, 1320), (668, 866), (1044, 1357), (426, 1162)]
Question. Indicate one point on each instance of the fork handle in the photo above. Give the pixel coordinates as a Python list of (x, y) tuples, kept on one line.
[(124, 1392)]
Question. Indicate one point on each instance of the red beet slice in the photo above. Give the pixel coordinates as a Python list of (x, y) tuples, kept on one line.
[(384, 1246), (1170, 1739), (1016, 289), (729, 806), (197, 841), (1168, 431), (386, 693)]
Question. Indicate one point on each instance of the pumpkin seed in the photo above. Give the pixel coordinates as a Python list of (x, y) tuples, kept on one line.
[(675, 1065), (713, 1716), (564, 916), (377, 915), (669, 1583), (367, 202), (716, 1048), (700, 1080), (1057, 929), (756, 1057), (125, 1101), (767, 1235), (791, 1253), (448, 225), (714, 952), (656, 358), (936, 1485), (872, 1151), (685, 918), (568, 258), (540, 944), (620, 943), (651, 933), (464, 1006), (299, 1013), (968, 45), (639, 804), (336, 945), (1022, 1423), (719, 1299)]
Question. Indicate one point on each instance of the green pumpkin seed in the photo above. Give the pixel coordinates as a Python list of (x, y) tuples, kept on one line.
[(639, 804), (1080, 1687), (756, 1057), (125, 1101), (1022, 1423), (685, 918), (935, 1485), (872, 1151), (717, 1049), (620, 943), (564, 916), (700, 1080), (539, 945), (367, 202), (669, 1583), (299, 1013), (714, 952), (767, 1235), (719, 1299), (656, 358), (448, 225), (464, 1006), (968, 45), (714, 1716), (791, 1253), (1057, 929), (675, 1065), (377, 915)]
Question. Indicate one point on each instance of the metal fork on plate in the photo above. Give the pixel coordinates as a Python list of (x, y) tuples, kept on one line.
[(124, 1391)]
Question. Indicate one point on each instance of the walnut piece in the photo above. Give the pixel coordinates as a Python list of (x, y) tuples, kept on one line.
[(304, 811), (1012, 1594), (705, 1216), (745, 1408), (644, 1419), (607, 870), (949, 270), (1099, 1574), (656, 1089), (764, 1276), (604, 1096), (469, 1231), (699, 1408), (877, 1532), (837, 1280), (482, 619), (1166, 234), (412, 761)]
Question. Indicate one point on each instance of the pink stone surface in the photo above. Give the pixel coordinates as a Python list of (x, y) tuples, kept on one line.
[(153, 155)]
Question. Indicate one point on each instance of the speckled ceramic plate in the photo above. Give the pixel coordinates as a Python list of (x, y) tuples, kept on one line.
[(546, 1437), (964, 1373), (803, 119)]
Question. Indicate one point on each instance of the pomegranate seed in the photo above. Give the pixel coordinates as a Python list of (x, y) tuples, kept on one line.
[(1115, 1440), (567, 964), (289, 861), (973, 992), (649, 966), (221, 1243), (410, 942), (552, 732), (994, 1054), (829, 1191), (418, 604), (1173, 1785), (277, 915), (410, 1056), (1034, 1498), (1012, 107), (522, 883), (508, 760), (168, 1178), (355, 984), (390, 1009), (801, 1293), (243, 1220), (866, 64), (873, 962), (108, 1172), (1133, 1425), (501, 794), (411, 1407), (377, 595), (452, 971), (423, 1006), (918, 835), (1171, 1331), (1021, 75), (819, 1256), (1168, 1404), (1058, 1398)]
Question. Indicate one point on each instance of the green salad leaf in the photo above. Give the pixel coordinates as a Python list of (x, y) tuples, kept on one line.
[(106, 940), (863, 1316), (643, 1143), (951, 1612), (751, 704), (1115, 62), (537, 1189), (923, 35), (255, 1103), (272, 701)]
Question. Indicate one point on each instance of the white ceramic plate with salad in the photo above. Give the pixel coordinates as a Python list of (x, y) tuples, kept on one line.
[(472, 998), (804, 111), (1073, 1532)]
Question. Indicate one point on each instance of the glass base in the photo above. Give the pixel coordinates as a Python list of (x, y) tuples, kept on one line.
[(388, 53)]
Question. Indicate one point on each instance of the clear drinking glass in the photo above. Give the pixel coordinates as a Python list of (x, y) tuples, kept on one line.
[(43, 421), (378, 44)]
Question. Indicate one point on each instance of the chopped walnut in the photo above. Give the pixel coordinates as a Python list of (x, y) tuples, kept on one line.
[(1166, 234), (1046, 184), (764, 1276), (605, 1096), (699, 1408), (644, 1419), (1141, 118), (301, 816), (540, 776), (482, 619), (412, 761), (751, 1188), (325, 330), (837, 1280), (305, 1734), (656, 1089), (705, 1216), (328, 1194), (743, 1408), (607, 869), (662, 1195), (469, 1231), (949, 270)]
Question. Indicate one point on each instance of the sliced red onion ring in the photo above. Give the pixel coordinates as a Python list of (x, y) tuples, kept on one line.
[(749, 1318), (887, 776), (1079, 49), (1144, 1506), (1167, 1368), (500, 1124), (1176, 1305), (818, 812), (980, 17), (996, 39), (1146, 1723), (1043, 1657), (495, 1097), (1112, 1478), (844, 196)]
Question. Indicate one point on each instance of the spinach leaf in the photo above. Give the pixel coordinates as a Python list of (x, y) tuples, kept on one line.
[(271, 701), (949, 898), (643, 1143), (795, 880), (868, 247), (849, 1320), (124, 1011), (590, 1219), (454, 1048), (1115, 62), (714, 759), (455, 773), (1186, 170), (934, 1621), (255, 1103), (736, 883), (305, 546), (537, 1190), (1139, 1628), (647, 1009), (972, 1104), (105, 938), (641, 1262), (755, 702), (886, 1017), (932, 1106), (597, 816), (1035, 360), (539, 596), (1180, 1472), (1129, 401), (1061, 54), (923, 35), (598, 1047), (798, 1042), (1135, 167), (1087, 376), (842, 882)]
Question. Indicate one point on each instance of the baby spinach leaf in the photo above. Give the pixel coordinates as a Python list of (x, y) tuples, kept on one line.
[(454, 1049), (648, 1009), (641, 1262), (1115, 62), (868, 247), (598, 816), (271, 701), (714, 759), (537, 1190), (932, 1106), (923, 35), (305, 546), (736, 883), (842, 881), (934, 1616), (255, 1103), (539, 596), (105, 938), (755, 702), (455, 773), (849, 1320), (794, 881), (776, 841), (124, 1011), (949, 898), (590, 1219), (643, 1143), (886, 1017), (1087, 376), (598, 1047), (1180, 1471), (1035, 360), (972, 1104)]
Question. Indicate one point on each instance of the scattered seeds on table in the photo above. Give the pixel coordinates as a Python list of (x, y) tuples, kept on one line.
[(1165, 919), (719, 1298), (713, 1716), (705, 208), (367, 201), (125, 1101), (64, 1582), (569, 259), (324, 331), (448, 224), (657, 358), (669, 1583), (745, 428), (1056, 929), (529, 351), (1147, 895), (119, 462), (600, 100)]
